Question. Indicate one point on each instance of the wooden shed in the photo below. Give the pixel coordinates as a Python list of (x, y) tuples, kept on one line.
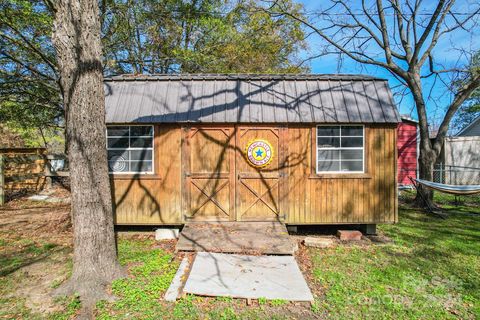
[(301, 149)]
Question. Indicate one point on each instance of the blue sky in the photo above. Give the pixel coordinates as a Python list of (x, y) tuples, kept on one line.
[(446, 52)]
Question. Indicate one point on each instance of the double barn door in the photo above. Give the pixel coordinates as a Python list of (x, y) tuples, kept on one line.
[(219, 184)]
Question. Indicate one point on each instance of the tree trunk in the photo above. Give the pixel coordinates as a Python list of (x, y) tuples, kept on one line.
[(427, 156), (426, 163), (77, 42)]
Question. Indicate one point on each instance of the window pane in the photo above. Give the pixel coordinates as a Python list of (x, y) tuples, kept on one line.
[(119, 131), (349, 142), (328, 131), (118, 166), (328, 165), (352, 131), (140, 166), (118, 142), (117, 155), (328, 155), (352, 154), (141, 155), (328, 142), (140, 142), (352, 165), (141, 131)]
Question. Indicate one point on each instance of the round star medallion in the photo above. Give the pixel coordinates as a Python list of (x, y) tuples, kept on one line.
[(259, 153)]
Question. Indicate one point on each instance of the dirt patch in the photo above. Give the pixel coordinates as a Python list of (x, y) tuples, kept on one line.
[(37, 220), (36, 242), (35, 284)]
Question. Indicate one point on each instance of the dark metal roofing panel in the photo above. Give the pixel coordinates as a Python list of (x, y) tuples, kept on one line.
[(249, 99), (232, 100), (327, 102), (373, 103), (125, 102), (350, 99), (243, 112), (290, 102), (135, 96), (194, 103), (111, 100), (338, 101), (386, 99), (184, 102), (317, 114), (255, 97), (148, 102), (171, 103), (269, 102), (303, 101), (213, 105), (160, 102), (362, 102)]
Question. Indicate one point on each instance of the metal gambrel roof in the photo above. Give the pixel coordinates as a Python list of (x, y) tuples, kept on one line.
[(245, 98)]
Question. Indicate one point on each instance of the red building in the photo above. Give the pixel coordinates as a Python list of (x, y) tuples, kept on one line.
[(407, 145)]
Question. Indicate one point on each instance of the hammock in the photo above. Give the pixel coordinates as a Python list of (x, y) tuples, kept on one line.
[(448, 188)]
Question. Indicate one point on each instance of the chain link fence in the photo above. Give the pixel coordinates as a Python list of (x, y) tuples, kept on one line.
[(456, 175)]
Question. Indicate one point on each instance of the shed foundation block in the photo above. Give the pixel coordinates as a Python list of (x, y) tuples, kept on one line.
[(349, 235), (315, 242), (293, 229), (369, 229), (166, 234)]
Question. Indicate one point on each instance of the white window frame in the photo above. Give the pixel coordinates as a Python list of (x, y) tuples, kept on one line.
[(132, 149), (340, 148)]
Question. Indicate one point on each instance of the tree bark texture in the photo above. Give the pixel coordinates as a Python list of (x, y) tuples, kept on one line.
[(77, 42), (427, 156)]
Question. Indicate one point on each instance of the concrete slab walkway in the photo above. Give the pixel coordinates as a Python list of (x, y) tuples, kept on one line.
[(244, 276), (236, 237)]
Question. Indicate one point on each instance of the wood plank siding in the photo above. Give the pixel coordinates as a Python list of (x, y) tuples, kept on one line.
[(201, 173), (153, 199)]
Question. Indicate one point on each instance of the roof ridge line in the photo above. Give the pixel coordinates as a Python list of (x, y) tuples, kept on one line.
[(243, 76)]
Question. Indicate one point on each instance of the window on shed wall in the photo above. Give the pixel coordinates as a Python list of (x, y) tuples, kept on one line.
[(130, 149), (340, 149)]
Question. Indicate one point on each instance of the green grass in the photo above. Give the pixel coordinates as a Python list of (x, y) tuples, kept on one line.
[(71, 306), (430, 271), (18, 253), (457, 204), (151, 271)]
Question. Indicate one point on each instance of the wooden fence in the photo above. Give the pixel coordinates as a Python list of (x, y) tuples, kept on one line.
[(21, 170)]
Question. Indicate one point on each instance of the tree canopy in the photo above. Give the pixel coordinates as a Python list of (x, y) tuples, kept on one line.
[(139, 37), (30, 101), (208, 36)]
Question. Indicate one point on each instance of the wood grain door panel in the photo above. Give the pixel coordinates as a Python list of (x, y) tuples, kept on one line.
[(209, 169), (259, 190)]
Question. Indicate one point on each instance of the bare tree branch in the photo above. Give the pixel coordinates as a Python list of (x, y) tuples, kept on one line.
[(460, 97), (419, 44), (401, 45)]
